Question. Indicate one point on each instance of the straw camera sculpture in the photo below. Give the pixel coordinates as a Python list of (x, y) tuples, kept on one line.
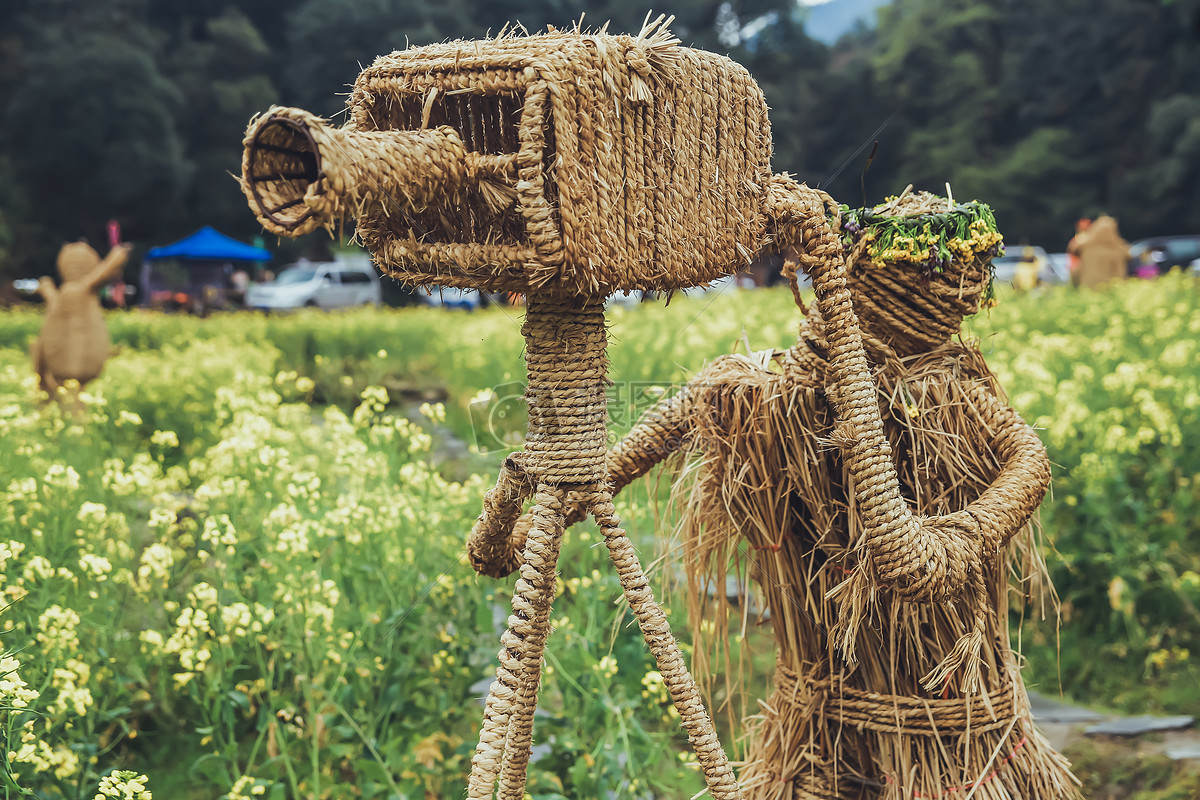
[(73, 344), (570, 165)]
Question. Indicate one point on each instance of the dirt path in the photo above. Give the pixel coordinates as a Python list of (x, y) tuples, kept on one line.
[(1124, 758)]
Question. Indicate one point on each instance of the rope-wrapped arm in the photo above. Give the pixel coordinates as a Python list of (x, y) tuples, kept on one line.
[(47, 290), (110, 268), (930, 559), (1009, 503)]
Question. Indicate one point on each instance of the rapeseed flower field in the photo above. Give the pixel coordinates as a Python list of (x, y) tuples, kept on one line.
[(237, 571)]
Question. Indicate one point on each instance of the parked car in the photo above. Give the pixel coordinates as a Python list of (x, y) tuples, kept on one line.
[(1166, 252), (337, 284), (1058, 268), (1053, 266), (625, 299)]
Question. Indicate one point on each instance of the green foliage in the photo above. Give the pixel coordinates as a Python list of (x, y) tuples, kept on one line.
[(230, 589), (330, 42), (87, 145), (1047, 111), (1111, 380), (930, 240)]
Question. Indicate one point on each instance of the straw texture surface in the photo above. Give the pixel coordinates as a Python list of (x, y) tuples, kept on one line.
[(933, 688)]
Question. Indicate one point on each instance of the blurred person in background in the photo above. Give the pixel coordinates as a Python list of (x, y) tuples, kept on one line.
[(1073, 260), (1150, 262), (241, 282), (1103, 254), (1029, 270)]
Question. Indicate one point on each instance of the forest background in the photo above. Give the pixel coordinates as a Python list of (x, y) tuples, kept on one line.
[(134, 109)]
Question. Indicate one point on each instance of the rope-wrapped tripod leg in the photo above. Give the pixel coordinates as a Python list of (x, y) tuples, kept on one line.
[(718, 774), (504, 738), (565, 447), (545, 572)]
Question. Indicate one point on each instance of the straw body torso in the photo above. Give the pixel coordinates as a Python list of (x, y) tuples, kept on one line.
[(775, 492)]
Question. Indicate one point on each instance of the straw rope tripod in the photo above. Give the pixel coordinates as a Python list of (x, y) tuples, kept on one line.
[(564, 454)]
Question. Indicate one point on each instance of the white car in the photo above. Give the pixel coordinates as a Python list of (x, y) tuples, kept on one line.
[(338, 284)]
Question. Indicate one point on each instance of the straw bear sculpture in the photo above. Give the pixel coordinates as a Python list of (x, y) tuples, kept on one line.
[(570, 165), (74, 344)]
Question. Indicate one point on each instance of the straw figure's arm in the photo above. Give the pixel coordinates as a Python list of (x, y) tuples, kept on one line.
[(108, 269), (47, 290), (49, 293), (928, 559), (1005, 506), (496, 542)]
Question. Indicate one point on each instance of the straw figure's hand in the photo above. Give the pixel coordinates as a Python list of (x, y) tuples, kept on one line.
[(790, 210), (496, 542), (983, 529), (934, 557)]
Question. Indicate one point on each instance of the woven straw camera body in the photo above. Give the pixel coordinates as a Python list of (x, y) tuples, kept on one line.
[(565, 163)]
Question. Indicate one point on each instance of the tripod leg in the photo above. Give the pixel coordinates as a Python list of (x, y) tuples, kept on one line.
[(657, 632), (504, 739), (542, 561)]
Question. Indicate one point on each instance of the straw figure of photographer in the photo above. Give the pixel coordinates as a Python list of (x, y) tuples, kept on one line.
[(570, 165), (894, 675)]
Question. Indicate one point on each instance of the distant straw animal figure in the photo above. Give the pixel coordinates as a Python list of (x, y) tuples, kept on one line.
[(894, 674), (74, 344)]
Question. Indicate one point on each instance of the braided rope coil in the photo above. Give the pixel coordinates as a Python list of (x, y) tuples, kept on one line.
[(565, 354)]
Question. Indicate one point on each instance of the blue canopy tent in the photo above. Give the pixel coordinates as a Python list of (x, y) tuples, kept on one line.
[(204, 274), (208, 244)]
